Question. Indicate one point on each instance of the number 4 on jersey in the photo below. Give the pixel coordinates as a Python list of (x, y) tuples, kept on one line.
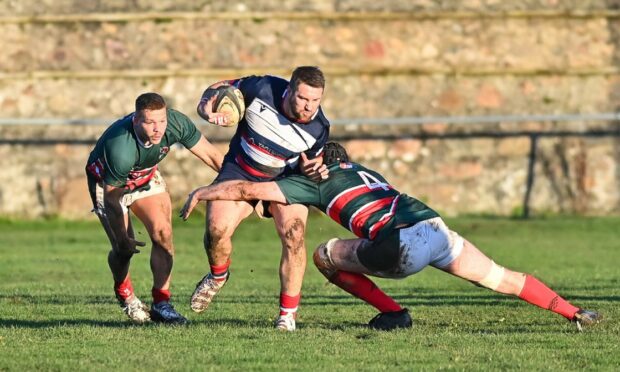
[(372, 182)]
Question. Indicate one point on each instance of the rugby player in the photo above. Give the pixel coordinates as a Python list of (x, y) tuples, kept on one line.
[(398, 236), (283, 132), (123, 176)]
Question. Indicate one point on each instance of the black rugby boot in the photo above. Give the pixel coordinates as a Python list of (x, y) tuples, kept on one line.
[(391, 320)]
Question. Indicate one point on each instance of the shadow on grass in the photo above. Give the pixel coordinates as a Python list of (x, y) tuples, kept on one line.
[(440, 300), (124, 324), (358, 324), (54, 323), (209, 323), (262, 323), (56, 299), (418, 298)]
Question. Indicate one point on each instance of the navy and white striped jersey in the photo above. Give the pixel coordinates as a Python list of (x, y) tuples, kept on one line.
[(267, 144)]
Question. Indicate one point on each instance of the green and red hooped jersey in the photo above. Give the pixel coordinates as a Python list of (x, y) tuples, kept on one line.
[(120, 159), (358, 198)]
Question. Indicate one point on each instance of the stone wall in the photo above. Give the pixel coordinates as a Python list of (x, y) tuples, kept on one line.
[(42, 7), (89, 60), (455, 168)]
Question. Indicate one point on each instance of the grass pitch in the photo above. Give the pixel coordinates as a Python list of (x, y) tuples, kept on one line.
[(57, 309)]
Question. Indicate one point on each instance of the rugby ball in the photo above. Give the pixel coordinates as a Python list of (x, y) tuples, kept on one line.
[(230, 101)]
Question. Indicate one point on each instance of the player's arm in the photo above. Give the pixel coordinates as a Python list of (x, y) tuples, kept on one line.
[(311, 161), (206, 152), (233, 190), (207, 101), (114, 212)]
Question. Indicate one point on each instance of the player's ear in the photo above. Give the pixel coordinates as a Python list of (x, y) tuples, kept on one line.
[(138, 117)]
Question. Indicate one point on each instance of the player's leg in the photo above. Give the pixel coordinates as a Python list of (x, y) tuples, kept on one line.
[(118, 262), (290, 221), (155, 212), (476, 267), (339, 261), (222, 219)]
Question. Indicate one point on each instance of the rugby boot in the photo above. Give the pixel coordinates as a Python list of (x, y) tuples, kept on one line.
[(391, 320), (136, 310), (164, 312), (205, 290), (286, 322), (586, 318)]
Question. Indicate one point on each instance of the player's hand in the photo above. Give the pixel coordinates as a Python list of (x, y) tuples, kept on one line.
[(313, 168), (128, 246), (189, 206), (216, 118)]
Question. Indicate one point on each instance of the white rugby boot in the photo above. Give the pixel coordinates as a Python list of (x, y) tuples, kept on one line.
[(136, 310), (286, 322), (205, 290)]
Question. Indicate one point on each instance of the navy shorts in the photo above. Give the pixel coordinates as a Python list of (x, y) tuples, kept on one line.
[(231, 171)]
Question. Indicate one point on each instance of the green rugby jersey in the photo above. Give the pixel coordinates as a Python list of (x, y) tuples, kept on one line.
[(358, 198), (121, 160)]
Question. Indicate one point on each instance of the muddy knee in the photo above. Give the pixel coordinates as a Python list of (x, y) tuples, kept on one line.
[(322, 258), (217, 242), (217, 233), (293, 235)]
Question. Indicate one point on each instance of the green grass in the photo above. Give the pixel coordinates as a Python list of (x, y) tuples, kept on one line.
[(57, 311)]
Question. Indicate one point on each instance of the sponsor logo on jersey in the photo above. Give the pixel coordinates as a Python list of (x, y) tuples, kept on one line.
[(163, 151)]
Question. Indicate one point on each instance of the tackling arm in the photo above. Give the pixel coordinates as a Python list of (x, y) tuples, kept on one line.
[(233, 190)]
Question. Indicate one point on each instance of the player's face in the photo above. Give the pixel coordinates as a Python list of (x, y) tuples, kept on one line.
[(151, 125), (304, 102)]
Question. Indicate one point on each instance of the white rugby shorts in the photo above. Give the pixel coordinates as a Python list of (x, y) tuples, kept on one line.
[(428, 242), (157, 186)]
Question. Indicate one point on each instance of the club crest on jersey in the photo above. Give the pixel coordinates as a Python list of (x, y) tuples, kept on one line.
[(346, 165), (163, 151)]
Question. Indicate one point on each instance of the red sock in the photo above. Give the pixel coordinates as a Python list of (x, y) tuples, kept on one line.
[(124, 289), (363, 288), (220, 272), (537, 293), (160, 295), (289, 304)]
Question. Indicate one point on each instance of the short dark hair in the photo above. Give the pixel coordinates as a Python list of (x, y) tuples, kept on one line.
[(310, 75), (149, 101), (333, 152)]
